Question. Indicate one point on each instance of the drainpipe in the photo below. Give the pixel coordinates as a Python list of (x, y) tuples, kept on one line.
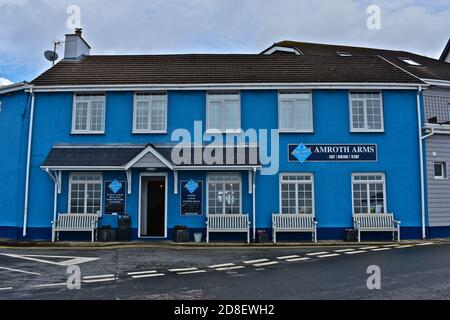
[(27, 177), (422, 178), (254, 203)]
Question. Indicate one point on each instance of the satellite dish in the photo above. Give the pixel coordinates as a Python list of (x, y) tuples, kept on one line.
[(51, 55)]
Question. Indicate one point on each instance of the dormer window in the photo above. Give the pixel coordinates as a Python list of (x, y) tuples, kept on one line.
[(343, 53), (410, 61)]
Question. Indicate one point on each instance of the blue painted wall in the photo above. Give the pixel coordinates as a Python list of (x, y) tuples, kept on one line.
[(397, 155)]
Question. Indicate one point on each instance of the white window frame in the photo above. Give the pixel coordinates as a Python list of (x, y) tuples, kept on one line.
[(443, 165), (294, 96), (150, 95), (209, 99), (365, 129), (368, 189), (208, 181), (88, 121), (296, 182), (71, 175)]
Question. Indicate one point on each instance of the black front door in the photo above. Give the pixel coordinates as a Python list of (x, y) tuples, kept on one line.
[(156, 191)]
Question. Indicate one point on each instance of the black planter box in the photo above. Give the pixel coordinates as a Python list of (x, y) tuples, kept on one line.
[(350, 235), (263, 237), (181, 234)]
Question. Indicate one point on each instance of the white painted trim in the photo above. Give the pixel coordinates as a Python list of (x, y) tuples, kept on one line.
[(175, 182), (209, 130), (75, 168), (88, 121), (371, 181), (283, 49), (365, 130), (293, 99), (208, 175), (312, 182), (143, 153), (69, 195), (232, 86), (438, 83), (166, 181), (149, 131), (15, 87), (129, 174)]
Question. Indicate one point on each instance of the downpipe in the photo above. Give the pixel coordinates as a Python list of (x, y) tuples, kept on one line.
[(422, 178)]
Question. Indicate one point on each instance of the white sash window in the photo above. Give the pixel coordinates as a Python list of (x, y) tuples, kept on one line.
[(224, 194), (88, 115), (297, 194), (85, 193), (369, 193)]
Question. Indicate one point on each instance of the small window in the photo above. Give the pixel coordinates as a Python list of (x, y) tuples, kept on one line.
[(410, 61), (85, 193), (366, 112), (150, 113), (295, 112), (448, 111), (343, 53), (88, 115), (369, 193), (224, 193), (223, 112), (440, 170), (297, 194)]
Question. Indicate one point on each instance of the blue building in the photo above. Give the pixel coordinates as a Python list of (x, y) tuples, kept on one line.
[(146, 136)]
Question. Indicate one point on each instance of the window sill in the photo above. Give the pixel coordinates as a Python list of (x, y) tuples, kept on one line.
[(87, 133), (149, 132), (212, 131), (367, 131), (295, 131)]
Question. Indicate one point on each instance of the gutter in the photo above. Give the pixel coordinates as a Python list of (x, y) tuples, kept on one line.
[(27, 177), (422, 178)]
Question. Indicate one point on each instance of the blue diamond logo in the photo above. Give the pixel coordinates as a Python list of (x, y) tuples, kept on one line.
[(191, 186), (302, 153), (115, 186)]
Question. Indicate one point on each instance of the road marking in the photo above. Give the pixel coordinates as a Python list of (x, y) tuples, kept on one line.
[(391, 245), (381, 249), (316, 253), (355, 252), (50, 285), (344, 250), (424, 244), (298, 259), (405, 246), (265, 264), (148, 275), (183, 269), (21, 271), (230, 268), (329, 255), (36, 258), (368, 248), (288, 257), (99, 276), (99, 280), (192, 272), (256, 261), (7, 288), (141, 272), (221, 265)]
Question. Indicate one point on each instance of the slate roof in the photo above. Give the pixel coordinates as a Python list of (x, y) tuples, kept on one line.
[(222, 68), (445, 52), (429, 68), (119, 156)]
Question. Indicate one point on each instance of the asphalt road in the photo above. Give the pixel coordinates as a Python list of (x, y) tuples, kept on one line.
[(407, 272)]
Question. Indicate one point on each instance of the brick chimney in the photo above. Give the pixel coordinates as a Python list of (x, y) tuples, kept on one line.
[(76, 46)]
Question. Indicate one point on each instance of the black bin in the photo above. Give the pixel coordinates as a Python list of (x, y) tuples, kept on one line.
[(350, 235), (106, 234), (181, 234), (124, 228)]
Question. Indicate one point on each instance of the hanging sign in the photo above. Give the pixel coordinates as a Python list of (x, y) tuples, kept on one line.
[(332, 152), (191, 197), (115, 197)]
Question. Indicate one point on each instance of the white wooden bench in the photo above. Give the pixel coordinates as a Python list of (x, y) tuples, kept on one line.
[(75, 222), (294, 223), (227, 223), (376, 222)]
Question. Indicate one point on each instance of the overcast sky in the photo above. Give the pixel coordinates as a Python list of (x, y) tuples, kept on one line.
[(28, 27)]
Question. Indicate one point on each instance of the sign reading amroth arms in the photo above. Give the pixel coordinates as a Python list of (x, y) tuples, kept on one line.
[(332, 152)]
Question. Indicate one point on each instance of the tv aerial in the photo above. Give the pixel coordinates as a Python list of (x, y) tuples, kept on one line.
[(50, 55)]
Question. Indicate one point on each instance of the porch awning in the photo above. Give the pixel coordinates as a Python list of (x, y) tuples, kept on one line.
[(125, 157)]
